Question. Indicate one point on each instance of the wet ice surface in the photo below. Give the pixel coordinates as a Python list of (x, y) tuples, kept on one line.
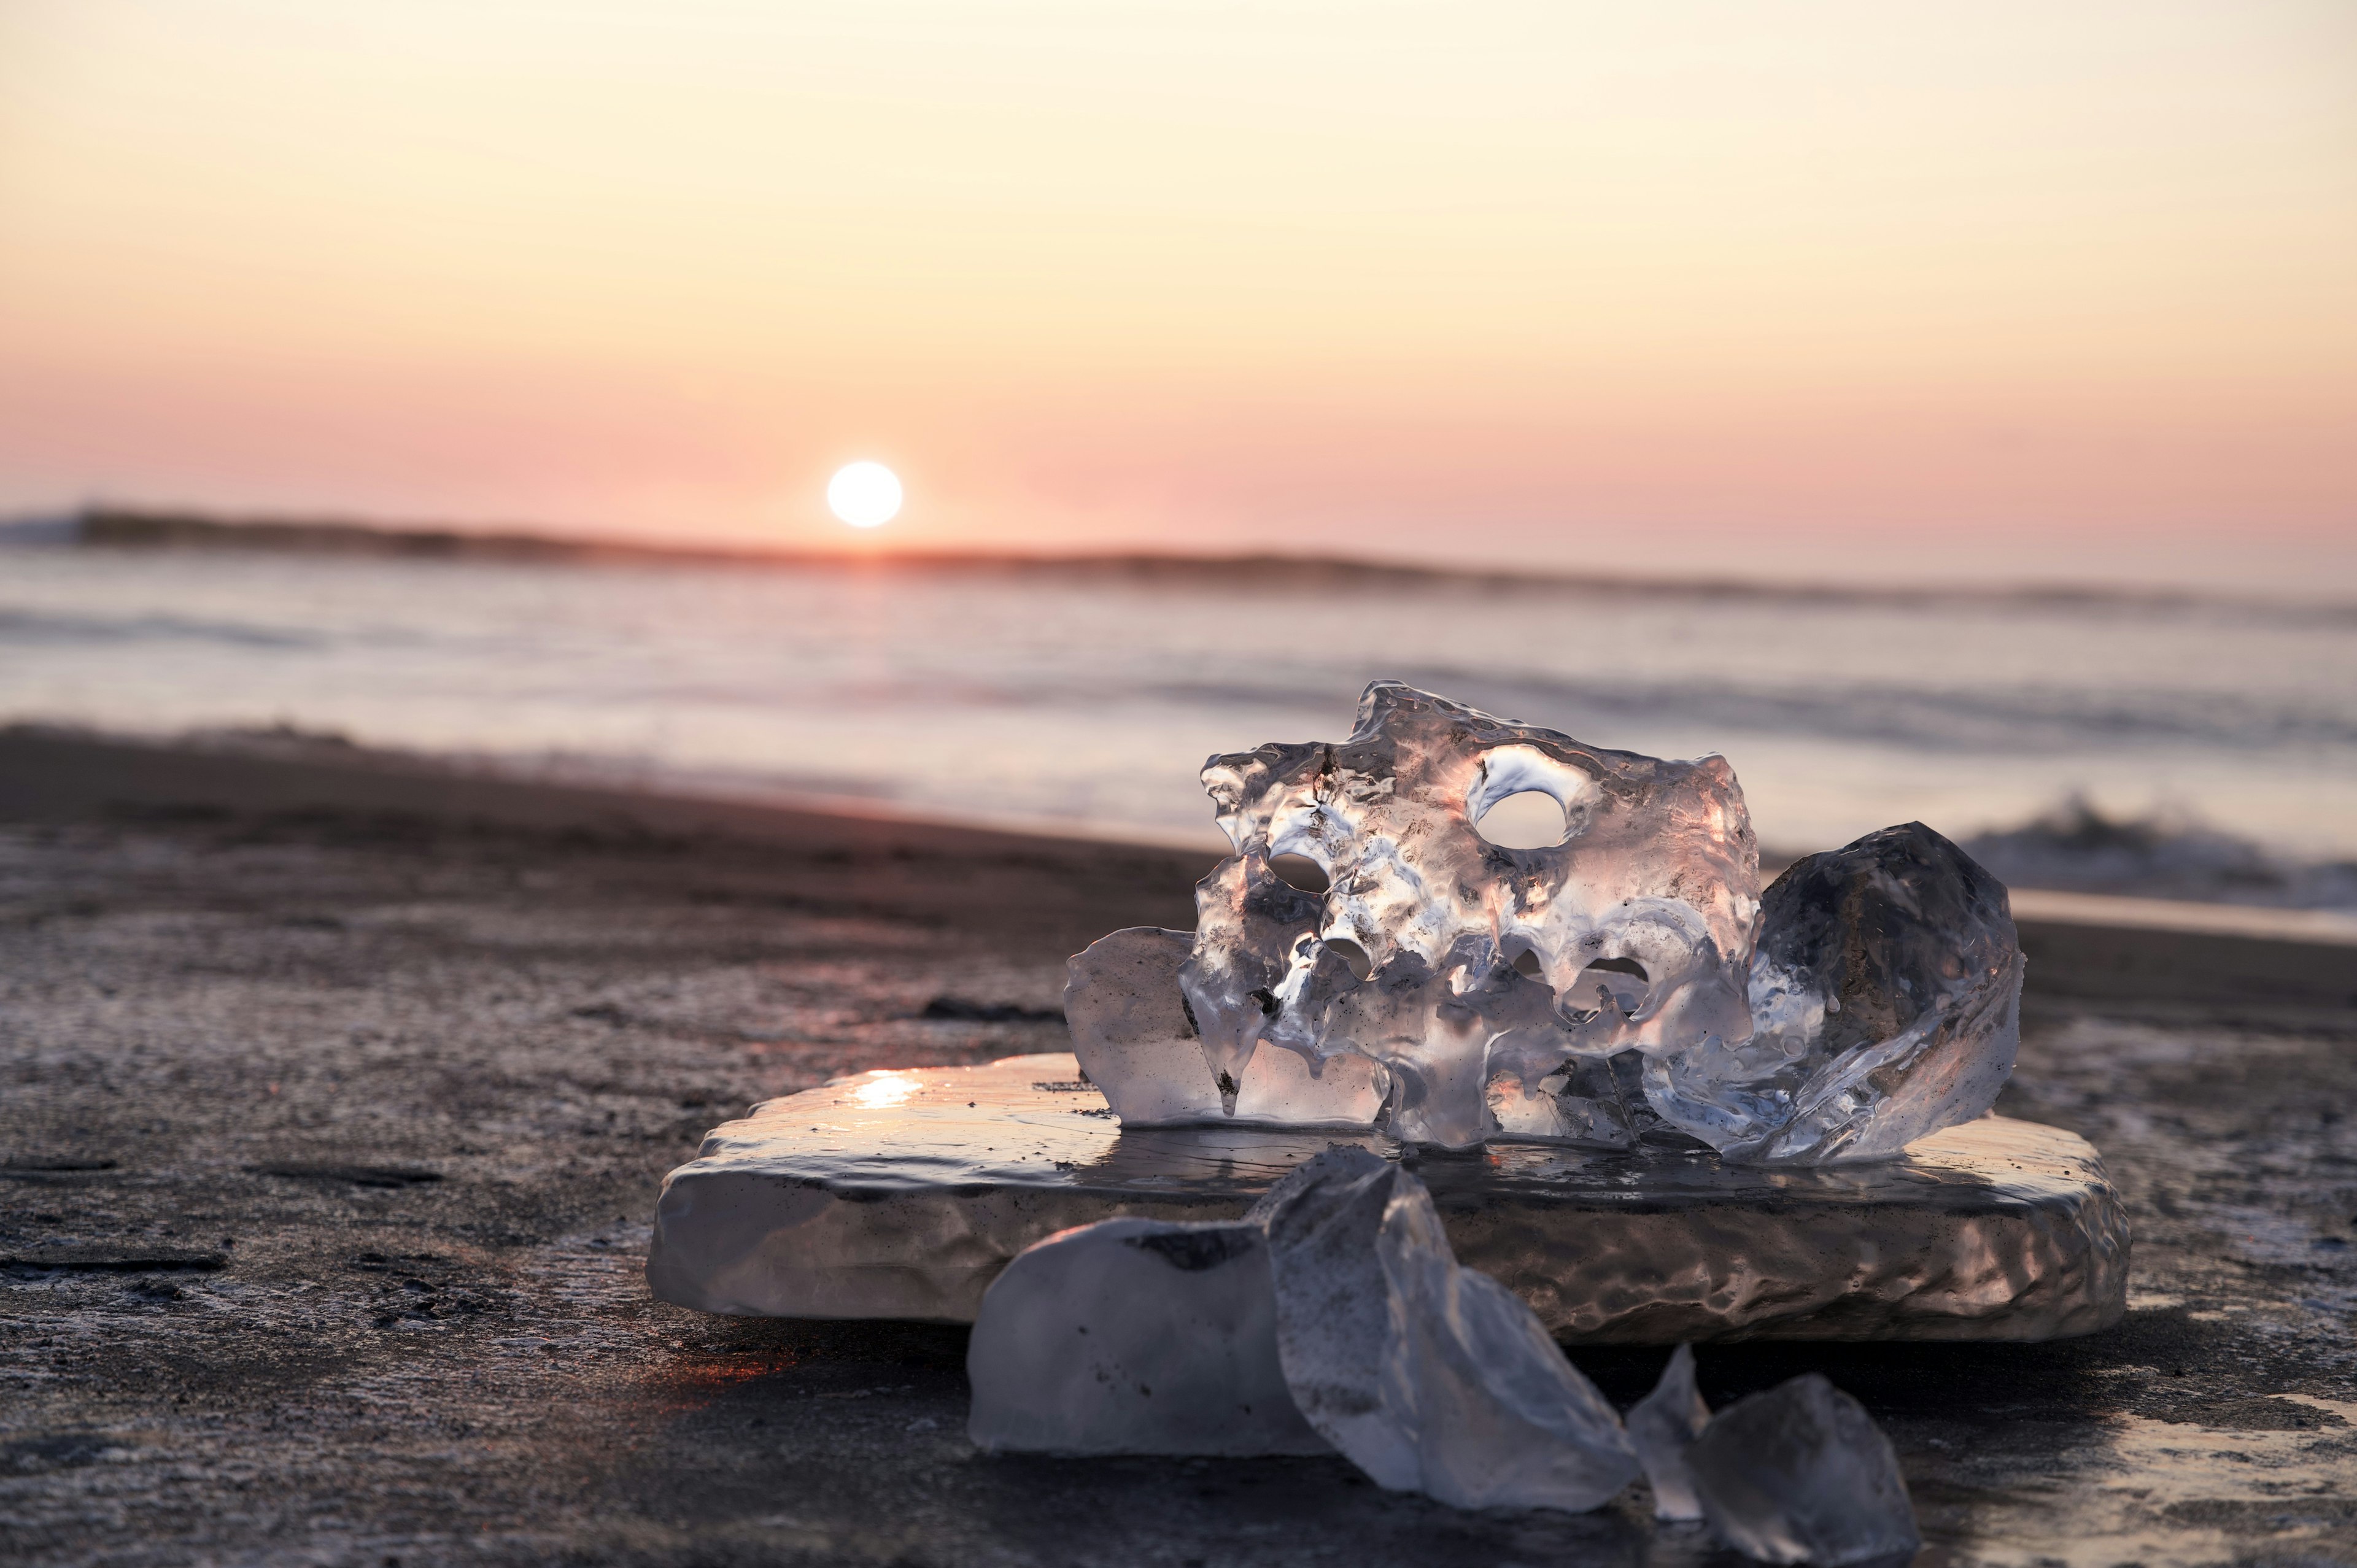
[(1801, 1474), (1661, 1426), (900, 1194), (1135, 1337), (420, 1004), (1600, 989), (1429, 1377)]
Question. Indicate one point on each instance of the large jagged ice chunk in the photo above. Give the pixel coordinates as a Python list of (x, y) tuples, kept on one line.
[(1135, 1337), (1887, 994), (1602, 991), (1429, 1377), (1461, 941), (1801, 1474), (1663, 1426), (1131, 1037)]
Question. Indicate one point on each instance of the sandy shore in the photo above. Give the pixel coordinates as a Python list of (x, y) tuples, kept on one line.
[(334, 1093)]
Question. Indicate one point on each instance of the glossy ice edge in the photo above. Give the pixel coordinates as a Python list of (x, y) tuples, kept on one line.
[(902, 1194)]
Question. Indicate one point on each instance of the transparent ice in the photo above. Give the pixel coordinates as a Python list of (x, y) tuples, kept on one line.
[(1135, 1337), (1801, 1474), (1466, 952), (1429, 1377), (1132, 1038), (1454, 991), (1887, 1003), (1663, 1426)]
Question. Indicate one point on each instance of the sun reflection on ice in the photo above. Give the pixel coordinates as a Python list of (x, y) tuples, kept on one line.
[(884, 1090)]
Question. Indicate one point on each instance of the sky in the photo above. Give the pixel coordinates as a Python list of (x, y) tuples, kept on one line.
[(2023, 289)]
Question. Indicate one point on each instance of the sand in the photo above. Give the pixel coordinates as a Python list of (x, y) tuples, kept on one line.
[(335, 1089)]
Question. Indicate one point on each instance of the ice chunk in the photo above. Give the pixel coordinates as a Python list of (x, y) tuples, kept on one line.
[(1465, 942), (1662, 1426), (1596, 991), (1135, 1337), (1887, 996), (1429, 1377), (1801, 1474), (1133, 1037)]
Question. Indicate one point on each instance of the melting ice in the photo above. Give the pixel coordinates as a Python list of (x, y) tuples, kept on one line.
[(1628, 977)]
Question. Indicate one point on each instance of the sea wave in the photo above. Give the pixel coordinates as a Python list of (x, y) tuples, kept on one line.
[(2075, 847), (38, 628), (1242, 575), (1995, 718)]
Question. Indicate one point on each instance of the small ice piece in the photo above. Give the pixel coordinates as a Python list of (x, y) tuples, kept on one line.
[(1664, 1423), (1887, 1001), (1656, 873), (1133, 1036), (1801, 1474), (1135, 1337), (1427, 1376)]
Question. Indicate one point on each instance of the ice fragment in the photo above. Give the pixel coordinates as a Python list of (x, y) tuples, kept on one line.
[(1887, 996), (1801, 1474), (1429, 1377), (1661, 1426), (1133, 1037), (1135, 1337)]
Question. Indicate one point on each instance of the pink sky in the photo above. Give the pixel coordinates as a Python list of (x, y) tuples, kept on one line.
[(2005, 291)]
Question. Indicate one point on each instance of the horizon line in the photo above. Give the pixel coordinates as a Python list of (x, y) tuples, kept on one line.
[(105, 525)]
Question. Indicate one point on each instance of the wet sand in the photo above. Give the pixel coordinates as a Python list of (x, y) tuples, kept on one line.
[(334, 1093)]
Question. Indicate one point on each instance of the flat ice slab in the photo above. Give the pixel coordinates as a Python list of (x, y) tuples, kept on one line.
[(902, 1194)]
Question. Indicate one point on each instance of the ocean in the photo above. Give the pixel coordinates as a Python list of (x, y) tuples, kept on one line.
[(2172, 744)]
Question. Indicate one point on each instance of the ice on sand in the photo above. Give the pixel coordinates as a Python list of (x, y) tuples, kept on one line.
[(1801, 1474), (1429, 1377), (1135, 1337), (1335, 1313), (1663, 1426)]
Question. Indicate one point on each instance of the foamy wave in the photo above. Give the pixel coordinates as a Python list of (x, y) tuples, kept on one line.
[(2075, 847)]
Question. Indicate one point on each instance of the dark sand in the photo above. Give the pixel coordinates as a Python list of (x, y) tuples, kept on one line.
[(334, 1095)]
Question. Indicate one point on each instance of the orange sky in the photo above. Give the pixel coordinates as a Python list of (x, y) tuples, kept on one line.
[(2012, 289)]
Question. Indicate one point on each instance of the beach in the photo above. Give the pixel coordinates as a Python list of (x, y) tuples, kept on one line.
[(338, 1088)]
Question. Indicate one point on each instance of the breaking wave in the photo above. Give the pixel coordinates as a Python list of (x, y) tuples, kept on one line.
[(2075, 847)]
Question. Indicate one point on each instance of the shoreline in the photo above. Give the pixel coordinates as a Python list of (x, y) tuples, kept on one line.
[(2090, 947)]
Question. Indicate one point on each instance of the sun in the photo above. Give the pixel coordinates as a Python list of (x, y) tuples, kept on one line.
[(863, 494)]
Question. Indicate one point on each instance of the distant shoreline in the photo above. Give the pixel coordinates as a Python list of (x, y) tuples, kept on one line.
[(143, 529), (2113, 948)]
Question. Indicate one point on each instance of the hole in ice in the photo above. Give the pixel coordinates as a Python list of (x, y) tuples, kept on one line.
[(1299, 871), (1527, 964), (1622, 981), (1351, 954), (1528, 820)]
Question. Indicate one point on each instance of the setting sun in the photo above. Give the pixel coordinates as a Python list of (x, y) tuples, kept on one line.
[(864, 495)]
